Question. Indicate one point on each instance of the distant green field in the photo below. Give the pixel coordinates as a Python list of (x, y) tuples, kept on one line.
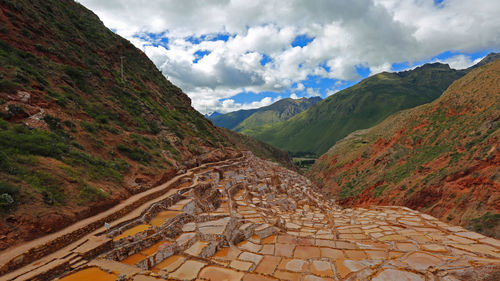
[(303, 163)]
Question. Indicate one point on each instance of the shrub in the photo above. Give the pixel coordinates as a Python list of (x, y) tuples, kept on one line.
[(21, 139), (89, 127), (135, 153), (89, 193), (48, 186), (9, 87), (484, 222), (8, 188)]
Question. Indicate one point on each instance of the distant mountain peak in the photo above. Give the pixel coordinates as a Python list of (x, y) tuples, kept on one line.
[(212, 114), (281, 110), (491, 57)]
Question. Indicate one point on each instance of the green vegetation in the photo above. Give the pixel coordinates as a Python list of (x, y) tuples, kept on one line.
[(303, 163), (9, 195), (19, 145), (484, 222), (378, 191), (244, 121), (260, 149), (89, 193), (135, 153), (358, 107), (426, 157), (75, 78), (232, 119)]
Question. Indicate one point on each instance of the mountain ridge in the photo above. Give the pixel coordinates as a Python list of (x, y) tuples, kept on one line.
[(439, 157), (360, 106), (244, 120)]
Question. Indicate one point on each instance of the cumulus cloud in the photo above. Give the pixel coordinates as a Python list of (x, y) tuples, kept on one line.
[(229, 105), (330, 92), (346, 34), (294, 96), (460, 61)]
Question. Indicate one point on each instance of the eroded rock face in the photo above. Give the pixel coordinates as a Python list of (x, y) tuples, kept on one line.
[(253, 220)]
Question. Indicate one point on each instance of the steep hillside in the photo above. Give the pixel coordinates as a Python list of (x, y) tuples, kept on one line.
[(279, 111), (260, 149), (245, 121), (232, 119), (358, 107), (74, 138), (441, 158)]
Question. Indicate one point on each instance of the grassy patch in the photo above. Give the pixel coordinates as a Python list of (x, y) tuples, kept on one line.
[(9, 195), (135, 153), (484, 222), (48, 185), (88, 193), (378, 191)]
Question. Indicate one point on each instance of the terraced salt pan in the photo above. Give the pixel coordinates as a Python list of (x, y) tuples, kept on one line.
[(132, 231), (278, 227)]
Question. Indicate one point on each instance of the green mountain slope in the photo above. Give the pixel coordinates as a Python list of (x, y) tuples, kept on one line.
[(281, 110), (360, 106), (441, 158), (245, 120), (232, 119), (74, 138), (260, 149)]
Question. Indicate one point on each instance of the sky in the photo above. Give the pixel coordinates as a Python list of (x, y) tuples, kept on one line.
[(239, 54)]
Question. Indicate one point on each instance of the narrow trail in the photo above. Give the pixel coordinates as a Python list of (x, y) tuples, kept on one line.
[(249, 219)]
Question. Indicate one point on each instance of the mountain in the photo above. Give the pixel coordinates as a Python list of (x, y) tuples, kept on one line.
[(359, 107), (245, 120), (260, 149), (232, 119), (76, 139), (212, 114), (441, 158), (486, 60)]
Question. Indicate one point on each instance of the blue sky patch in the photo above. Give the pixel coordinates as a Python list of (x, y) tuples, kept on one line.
[(208, 37), (362, 70), (199, 55), (302, 40), (265, 59)]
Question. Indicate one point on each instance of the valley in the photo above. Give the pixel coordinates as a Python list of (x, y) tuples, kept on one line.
[(109, 171)]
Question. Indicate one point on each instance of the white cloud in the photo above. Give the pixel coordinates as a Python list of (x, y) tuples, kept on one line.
[(229, 105), (380, 68), (331, 92), (300, 87), (294, 96), (312, 92), (460, 61), (372, 33)]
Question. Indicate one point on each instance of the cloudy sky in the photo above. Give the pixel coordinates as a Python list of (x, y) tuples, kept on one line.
[(233, 54)]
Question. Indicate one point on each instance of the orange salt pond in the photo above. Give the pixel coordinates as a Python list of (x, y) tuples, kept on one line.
[(133, 259), (161, 217), (133, 231), (153, 249), (170, 264), (91, 273)]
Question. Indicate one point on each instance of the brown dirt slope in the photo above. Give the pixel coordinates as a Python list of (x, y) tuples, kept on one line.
[(441, 158), (74, 138)]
